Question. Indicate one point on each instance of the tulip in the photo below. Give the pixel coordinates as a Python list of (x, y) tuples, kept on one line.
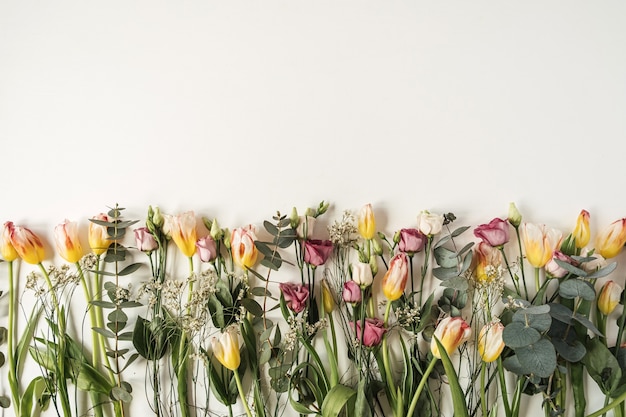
[(226, 349), (610, 242), (490, 343), (351, 292), (182, 229), (316, 252), (67, 241), (487, 262), (395, 279), (327, 298), (540, 243), (411, 241), (372, 333), (367, 222), (145, 240), (581, 232), (554, 270), (207, 249), (495, 233), (429, 224), (515, 217), (6, 248), (98, 237), (451, 332), (27, 244), (362, 274), (609, 297), (243, 249), (295, 295)]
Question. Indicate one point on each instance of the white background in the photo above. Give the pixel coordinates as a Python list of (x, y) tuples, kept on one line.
[(236, 109)]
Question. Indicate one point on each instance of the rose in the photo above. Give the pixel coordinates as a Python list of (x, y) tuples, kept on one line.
[(362, 274), (429, 224), (244, 251), (295, 295), (495, 233), (555, 270), (351, 292), (316, 252), (207, 249), (372, 333), (145, 240), (411, 241), (395, 279)]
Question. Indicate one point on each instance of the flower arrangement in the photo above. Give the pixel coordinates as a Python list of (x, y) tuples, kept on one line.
[(283, 318)]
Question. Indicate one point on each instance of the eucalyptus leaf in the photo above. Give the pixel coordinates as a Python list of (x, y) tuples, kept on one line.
[(539, 322), (538, 359), (602, 272), (602, 365), (561, 313), (445, 273), (129, 269), (571, 352), (576, 288), (445, 257), (517, 334), (252, 306), (571, 268), (457, 283)]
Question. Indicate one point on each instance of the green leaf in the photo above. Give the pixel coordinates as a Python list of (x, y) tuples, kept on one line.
[(117, 316), (457, 283), (361, 406), (458, 397), (602, 272), (103, 332), (602, 365), (129, 269), (445, 273), (5, 402), (539, 322), (120, 394), (89, 379), (572, 351), (517, 334), (538, 359), (573, 288), (150, 339), (103, 304), (571, 268), (338, 397), (445, 257), (271, 229), (260, 292), (252, 306)]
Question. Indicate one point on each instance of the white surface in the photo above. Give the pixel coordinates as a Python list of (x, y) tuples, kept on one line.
[(238, 109)]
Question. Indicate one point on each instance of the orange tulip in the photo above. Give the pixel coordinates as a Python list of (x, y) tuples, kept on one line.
[(540, 242), (610, 242), (243, 249), (609, 297), (487, 260), (367, 222), (490, 343), (6, 248), (27, 245), (98, 237), (182, 229), (581, 232), (67, 241), (451, 332), (395, 279)]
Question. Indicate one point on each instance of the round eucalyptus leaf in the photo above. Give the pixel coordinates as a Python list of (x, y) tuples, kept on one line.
[(539, 322), (538, 359), (517, 335), (576, 288), (561, 313), (571, 352)]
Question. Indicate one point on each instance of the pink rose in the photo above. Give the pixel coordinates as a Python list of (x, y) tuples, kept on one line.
[(495, 234), (411, 241), (373, 332), (351, 292), (316, 252), (555, 270), (296, 296), (145, 240), (207, 249)]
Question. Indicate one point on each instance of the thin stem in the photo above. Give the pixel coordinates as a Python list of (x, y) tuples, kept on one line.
[(13, 377), (483, 398), (421, 385), (429, 242), (388, 376), (503, 390), (242, 394), (521, 263)]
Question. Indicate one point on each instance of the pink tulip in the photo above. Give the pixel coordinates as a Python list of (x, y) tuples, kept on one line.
[(495, 233), (411, 241), (372, 333), (316, 252), (207, 249), (296, 296)]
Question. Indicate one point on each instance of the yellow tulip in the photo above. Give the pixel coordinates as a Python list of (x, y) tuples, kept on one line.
[(27, 245), (395, 279), (581, 232), (182, 229), (540, 242), (610, 242), (609, 297), (327, 298), (367, 222), (6, 248), (243, 249), (226, 349), (98, 237), (451, 332), (67, 241), (487, 262), (490, 343)]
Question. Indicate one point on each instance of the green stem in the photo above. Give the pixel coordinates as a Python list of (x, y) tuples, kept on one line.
[(508, 267), (421, 385), (503, 390), (483, 394), (537, 284), (429, 242), (242, 394), (517, 397), (13, 377), (521, 263), (390, 383)]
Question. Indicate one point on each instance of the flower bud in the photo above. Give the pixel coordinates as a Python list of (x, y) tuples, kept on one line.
[(328, 301), (362, 274), (377, 247), (554, 270), (373, 265), (351, 292), (490, 343), (215, 231), (157, 217), (226, 238), (411, 241), (226, 349), (515, 217), (6, 248), (610, 242), (207, 249), (27, 245), (451, 332), (582, 232), (609, 297), (294, 219), (295, 295)]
